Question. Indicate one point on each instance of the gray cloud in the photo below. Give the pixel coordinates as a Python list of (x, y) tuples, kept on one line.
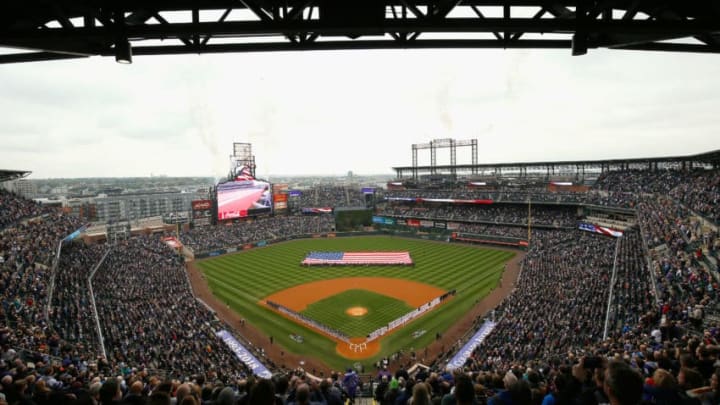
[(357, 111)]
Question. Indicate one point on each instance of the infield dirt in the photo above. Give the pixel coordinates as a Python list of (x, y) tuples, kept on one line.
[(300, 296)]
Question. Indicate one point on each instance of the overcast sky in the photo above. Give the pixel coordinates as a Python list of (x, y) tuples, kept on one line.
[(330, 112)]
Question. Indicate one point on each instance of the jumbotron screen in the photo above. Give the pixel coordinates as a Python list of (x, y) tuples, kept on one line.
[(242, 198)]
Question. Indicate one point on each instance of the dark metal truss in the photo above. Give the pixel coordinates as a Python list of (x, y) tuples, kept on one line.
[(61, 29)]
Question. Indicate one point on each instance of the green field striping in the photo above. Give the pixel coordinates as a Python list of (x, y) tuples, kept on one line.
[(241, 280), (381, 310)]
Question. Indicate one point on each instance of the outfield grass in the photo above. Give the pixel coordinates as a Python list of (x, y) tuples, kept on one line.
[(381, 310), (241, 280)]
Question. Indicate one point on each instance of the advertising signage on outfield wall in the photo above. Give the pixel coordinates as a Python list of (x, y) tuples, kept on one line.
[(383, 220)]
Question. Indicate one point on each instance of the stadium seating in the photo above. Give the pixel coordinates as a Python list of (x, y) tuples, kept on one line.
[(659, 281)]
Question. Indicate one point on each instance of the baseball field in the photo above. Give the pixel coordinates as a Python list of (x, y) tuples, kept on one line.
[(354, 300)]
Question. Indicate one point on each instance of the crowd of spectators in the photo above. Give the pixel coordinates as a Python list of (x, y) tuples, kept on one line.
[(558, 303), (547, 344), (499, 214), (71, 308), (701, 194), (331, 196), (684, 284), (640, 181), (15, 209), (633, 296), (149, 317), (519, 232), (698, 190), (204, 239), (41, 381), (27, 251), (620, 199)]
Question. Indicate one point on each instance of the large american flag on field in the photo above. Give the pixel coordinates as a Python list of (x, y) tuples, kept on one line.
[(350, 258)]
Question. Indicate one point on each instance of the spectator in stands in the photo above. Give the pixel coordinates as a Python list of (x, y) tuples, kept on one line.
[(623, 385)]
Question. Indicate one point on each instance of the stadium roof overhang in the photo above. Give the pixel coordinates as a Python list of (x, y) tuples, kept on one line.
[(62, 29), (8, 175), (711, 158)]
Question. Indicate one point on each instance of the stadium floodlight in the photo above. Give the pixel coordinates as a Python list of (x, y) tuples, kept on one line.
[(123, 52)]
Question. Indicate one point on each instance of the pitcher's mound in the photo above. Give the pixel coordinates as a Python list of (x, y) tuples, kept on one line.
[(356, 311)]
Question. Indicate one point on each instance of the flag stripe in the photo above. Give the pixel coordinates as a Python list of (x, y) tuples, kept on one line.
[(349, 258)]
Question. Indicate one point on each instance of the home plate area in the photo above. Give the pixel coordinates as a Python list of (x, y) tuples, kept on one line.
[(356, 312)]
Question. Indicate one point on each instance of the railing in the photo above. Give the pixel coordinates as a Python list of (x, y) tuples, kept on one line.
[(51, 287), (101, 340), (612, 287), (649, 266)]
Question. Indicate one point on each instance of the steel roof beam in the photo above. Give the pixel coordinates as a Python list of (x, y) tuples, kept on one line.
[(458, 25)]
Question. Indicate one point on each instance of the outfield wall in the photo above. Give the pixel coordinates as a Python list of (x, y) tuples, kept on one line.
[(246, 246), (401, 232)]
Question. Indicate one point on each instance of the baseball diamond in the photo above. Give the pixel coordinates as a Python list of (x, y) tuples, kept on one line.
[(249, 280)]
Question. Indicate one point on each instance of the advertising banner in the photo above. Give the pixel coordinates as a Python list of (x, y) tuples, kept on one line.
[(413, 222), (440, 200), (461, 357), (426, 224), (280, 198), (453, 225), (244, 355), (76, 233), (280, 205), (201, 205), (295, 193)]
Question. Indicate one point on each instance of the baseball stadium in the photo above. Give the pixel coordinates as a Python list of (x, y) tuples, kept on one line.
[(455, 282)]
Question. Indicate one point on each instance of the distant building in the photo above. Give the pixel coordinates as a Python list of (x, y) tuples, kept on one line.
[(137, 206), (84, 208), (23, 187)]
